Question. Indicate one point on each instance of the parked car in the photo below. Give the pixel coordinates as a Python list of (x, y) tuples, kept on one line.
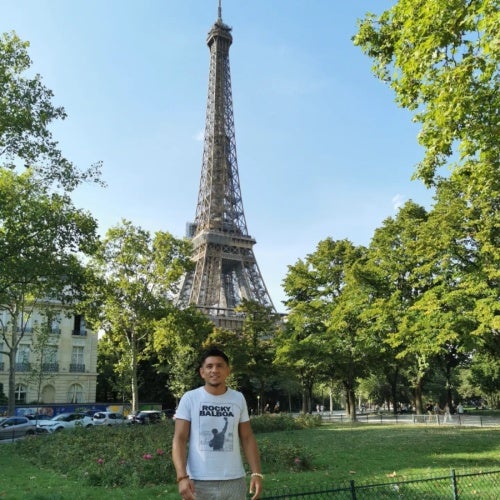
[(66, 421), (15, 427), (108, 418), (38, 417), (145, 417)]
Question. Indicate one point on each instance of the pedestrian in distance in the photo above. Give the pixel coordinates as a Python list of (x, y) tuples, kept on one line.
[(447, 414), (211, 423), (437, 411)]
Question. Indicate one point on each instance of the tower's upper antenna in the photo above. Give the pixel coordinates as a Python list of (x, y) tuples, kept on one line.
[(219, 18)]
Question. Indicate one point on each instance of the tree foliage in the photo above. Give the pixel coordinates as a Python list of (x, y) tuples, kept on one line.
[(41, 237), (323, 336), (26, 113), (442, 58), (135, 281), (179, 340)]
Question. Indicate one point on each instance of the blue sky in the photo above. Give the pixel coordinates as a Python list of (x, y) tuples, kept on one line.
[(323, 150)]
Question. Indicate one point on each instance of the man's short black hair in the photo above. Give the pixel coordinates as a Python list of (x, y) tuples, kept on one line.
[(213, 351)]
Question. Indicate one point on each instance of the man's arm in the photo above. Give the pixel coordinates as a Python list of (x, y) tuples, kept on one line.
[(251, 450), (179, 457)]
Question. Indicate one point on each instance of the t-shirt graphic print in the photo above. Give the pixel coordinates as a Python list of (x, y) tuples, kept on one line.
[(216, 427)]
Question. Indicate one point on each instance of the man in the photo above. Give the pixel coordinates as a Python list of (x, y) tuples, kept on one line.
[(213, 467)]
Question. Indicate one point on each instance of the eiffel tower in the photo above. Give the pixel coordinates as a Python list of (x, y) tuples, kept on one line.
[(226, 271)]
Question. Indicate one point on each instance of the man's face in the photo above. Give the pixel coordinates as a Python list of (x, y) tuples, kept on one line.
[(214, 371)]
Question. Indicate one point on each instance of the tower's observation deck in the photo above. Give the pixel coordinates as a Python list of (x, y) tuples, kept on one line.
[(226, 271)]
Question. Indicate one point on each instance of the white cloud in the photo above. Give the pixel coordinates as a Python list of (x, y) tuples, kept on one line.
[(397, 202)]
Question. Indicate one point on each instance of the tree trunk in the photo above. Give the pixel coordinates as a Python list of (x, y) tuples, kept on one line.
[(305, 402), (309, 395), (394, 390), (134, 382), (11, 405), (449, 395), (14, 341), (351, 398), (419, 406)]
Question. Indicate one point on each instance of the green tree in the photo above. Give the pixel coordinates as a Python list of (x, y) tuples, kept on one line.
[(26, 113), (41, 233), (44, 365), (41, 236), (257, 347), (321, 338), (136, 277), (396, 276), (351, 348), (179, 339), (484, 379), (441, 57), (113, 372)]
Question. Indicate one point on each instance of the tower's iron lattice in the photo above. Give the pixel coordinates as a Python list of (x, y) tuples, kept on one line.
[(226, 271)]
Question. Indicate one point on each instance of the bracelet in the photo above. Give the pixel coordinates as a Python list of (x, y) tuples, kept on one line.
[(179, 479), (257, 474)]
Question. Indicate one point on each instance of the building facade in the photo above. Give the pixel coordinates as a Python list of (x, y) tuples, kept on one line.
[(56, 359)]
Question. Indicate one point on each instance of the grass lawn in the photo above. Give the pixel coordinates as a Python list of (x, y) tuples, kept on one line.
[(337, 452), (372, 454)]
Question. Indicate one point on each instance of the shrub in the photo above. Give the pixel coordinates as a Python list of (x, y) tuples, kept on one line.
[(308, 421), (140, 455), (284, 455), (273, 422), (107, 456)]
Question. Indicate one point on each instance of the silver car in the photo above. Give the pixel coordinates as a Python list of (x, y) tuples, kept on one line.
[(16, 427), (66, 421), (108, 418)]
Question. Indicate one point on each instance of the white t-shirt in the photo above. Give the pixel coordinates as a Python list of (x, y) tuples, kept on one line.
[(214, 442)]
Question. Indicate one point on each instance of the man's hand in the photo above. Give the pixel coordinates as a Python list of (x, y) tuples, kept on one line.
[(186, 489), (255, 487)]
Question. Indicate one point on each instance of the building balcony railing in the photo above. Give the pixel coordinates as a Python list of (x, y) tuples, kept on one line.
[(23, 367), (26, 329), (77, 368), (50, 367), (79, 333)]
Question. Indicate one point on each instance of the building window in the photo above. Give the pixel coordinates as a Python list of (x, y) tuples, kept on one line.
[(25, 324), (23, 358), (48, 394), (54, 321), (2, 365), (75, 394), (4, 320), (77, 360), (49, 359), (79, 325), (20, 394)]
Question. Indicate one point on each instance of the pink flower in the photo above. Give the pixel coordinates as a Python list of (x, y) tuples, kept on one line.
[(160, 452), (100, 461), (297, 460), (147, 456)]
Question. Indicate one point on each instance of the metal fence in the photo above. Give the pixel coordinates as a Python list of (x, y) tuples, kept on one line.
[(410, 418), (483, 485)]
